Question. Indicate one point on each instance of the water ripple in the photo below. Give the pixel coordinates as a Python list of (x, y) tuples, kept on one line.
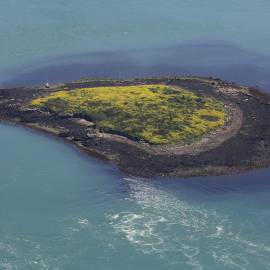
[(181, 231)]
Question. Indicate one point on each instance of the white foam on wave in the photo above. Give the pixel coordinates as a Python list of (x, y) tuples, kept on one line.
[(185, 233), (23, 254), (83, 221)]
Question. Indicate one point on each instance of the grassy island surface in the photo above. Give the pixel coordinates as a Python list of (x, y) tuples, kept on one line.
[(158, 114)]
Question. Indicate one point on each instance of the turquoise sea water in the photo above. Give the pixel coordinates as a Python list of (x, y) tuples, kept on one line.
[(62, 210)]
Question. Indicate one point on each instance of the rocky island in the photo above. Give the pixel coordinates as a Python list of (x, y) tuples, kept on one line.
[(173, 126)]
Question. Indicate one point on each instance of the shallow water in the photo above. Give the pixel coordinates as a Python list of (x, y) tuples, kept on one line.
[(62, 210)]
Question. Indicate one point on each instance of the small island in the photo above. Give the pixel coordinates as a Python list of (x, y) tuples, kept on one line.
[(151, 127)]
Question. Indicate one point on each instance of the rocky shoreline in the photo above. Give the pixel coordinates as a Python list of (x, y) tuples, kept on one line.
[(244, 144)]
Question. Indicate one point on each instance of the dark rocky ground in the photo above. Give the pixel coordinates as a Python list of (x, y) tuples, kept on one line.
[(248, 149)]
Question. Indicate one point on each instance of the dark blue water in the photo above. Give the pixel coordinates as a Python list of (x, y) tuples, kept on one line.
[(61, 40), (216, 59), (62, 210)]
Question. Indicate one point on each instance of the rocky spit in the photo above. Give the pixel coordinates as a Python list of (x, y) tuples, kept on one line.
[(242, 145)]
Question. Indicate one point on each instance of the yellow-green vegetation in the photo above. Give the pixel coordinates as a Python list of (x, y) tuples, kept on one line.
[(158, 114)]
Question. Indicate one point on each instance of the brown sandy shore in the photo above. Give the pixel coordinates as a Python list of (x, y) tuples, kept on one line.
[(242, 144)]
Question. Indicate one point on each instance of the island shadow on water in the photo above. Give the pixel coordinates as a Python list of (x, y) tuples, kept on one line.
[(216, 59)]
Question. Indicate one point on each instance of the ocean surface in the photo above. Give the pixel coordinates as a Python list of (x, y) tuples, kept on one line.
[(60, 209)]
